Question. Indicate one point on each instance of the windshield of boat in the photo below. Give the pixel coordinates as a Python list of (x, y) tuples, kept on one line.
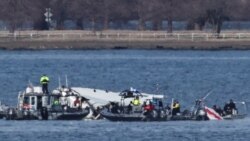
[(241, 107), (26, 100)]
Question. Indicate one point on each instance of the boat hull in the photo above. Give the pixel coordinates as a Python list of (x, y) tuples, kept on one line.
[(69, 116), (232, 117), (142, 117), (51, 115)]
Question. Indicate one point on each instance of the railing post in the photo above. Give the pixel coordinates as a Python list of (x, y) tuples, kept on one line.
[(178, 36), (239, 35), (223, 36), (31, 35), (207, 36), (48, 36), (118, 35), (15, 36), (192, 36)]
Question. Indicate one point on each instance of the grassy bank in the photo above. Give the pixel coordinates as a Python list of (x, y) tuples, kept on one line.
[(123, 40)]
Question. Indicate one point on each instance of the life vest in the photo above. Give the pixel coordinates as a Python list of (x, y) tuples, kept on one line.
[(136, 102), (149, 107), (176, 105), (44, 80), (56, 102)]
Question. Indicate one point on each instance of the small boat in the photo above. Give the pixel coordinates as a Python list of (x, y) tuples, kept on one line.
[(35, 105), (202, 112), (123, 112)]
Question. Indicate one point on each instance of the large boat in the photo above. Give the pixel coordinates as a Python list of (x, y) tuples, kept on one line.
[(98, 99), (33, 104)]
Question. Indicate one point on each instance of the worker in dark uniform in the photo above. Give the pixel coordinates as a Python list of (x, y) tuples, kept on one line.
[(227, 109), (232, 107), (44, 80)]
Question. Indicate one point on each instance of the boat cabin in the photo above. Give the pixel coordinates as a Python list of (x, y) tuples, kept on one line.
[(32, 99)]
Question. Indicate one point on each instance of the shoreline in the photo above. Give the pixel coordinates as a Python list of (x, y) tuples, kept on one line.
[(100, 45), (98, 40)]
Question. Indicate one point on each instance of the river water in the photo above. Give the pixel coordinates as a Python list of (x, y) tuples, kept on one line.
[(184, 75)]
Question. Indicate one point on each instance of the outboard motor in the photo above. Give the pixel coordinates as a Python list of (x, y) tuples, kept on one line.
[(154, 114), (44, 113), (200, 114), (162, 114), (10, 114)]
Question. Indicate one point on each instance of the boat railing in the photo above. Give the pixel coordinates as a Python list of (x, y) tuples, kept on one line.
[(125, 35)]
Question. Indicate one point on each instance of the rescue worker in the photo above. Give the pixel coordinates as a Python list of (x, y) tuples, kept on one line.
[(130, 108), (136, 101), (148, 109), (136, 104), (160, 104), (77, 103), (232, 107), (56, 102), (175, 108), (227, 109), (218, 110), (44, 80), (56, 105)]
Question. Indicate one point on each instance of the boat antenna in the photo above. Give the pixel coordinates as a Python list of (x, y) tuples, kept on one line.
[(66, 79), (30, 84), (59, 82), (208, 93), (157, 88)]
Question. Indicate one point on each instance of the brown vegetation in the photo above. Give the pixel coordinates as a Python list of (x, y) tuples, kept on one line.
[(198, 13)]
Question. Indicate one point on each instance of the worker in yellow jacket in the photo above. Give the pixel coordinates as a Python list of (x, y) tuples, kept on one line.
[(176, 107), (136, 101), (44, 80)]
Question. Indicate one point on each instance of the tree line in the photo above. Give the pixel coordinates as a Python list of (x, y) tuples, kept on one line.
[(197, 13)]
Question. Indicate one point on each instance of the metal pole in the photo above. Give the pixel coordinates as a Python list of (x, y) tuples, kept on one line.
[(172, 102), (59, 83), (66, 79), (48, 16)]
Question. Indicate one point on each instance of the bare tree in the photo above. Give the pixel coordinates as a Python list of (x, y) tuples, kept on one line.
[(197, 13), (39, 17), (60, 10), (17, 12)]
